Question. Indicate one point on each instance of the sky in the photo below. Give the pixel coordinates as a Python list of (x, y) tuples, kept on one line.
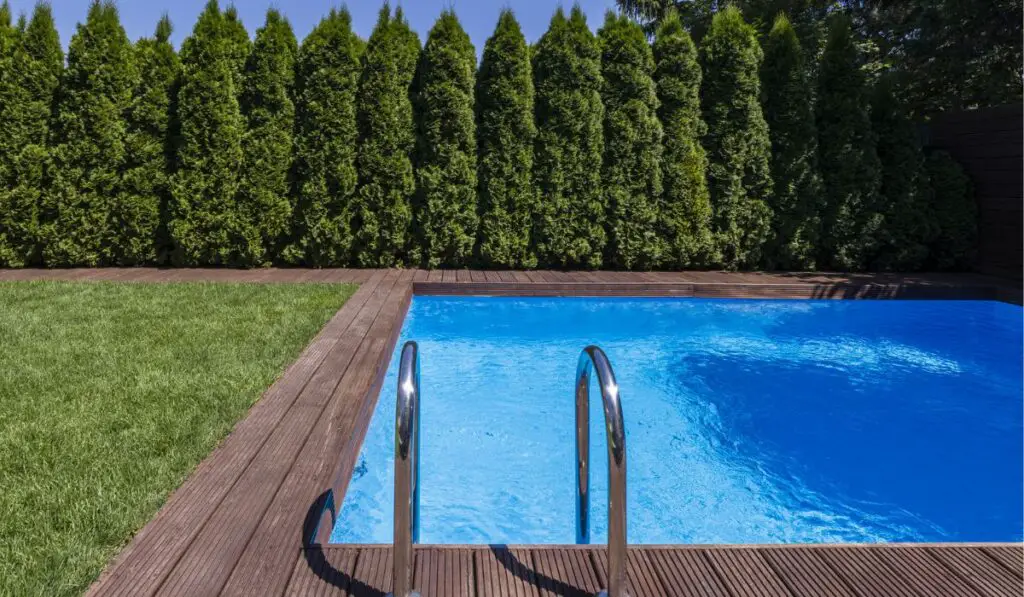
[(478, 17)]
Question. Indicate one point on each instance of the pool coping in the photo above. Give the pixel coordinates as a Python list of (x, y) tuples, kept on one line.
[(255, 515)]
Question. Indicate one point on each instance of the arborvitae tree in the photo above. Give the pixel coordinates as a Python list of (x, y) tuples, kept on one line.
[(796, 199), (737, 141), (10, 42), (149, 149), (954, 246), (238, 45), (207, 225), (269, 86), (685, 207), (908, 224), (10, 45), (631, 175), (847, 157), (570, 214), (382, 211), (505, 133), (445, 208), (89, 155), (325, 143), (37, 64)]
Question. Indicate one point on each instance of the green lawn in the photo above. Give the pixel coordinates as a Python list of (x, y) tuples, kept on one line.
[(110, 394)]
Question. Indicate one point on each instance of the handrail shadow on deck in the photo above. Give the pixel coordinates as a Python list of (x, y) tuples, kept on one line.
[(318, 563)]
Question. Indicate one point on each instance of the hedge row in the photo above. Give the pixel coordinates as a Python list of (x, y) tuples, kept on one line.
[(582, 151)]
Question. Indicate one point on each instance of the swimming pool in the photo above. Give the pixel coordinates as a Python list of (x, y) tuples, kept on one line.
[(747, 421)]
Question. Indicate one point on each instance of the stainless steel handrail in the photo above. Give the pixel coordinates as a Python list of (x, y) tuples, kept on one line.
[(407, 470), (593, 358)]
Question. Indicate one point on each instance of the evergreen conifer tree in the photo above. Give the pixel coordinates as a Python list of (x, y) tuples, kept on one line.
[(737, 140), (569, 219), (908, 223), (847, 156), (238, 46), (445, 207), (685, 207), (207, 225), (795, 201), (505, 132), (382, 212), (631, 176), (325, 145), (10, 44), (89, 154), (31, 83), (266, 103), (955, 243), (142, 237)]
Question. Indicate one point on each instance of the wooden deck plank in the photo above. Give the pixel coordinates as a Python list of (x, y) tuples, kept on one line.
[(925, 574), (1011, 557), (268, 554), (565, 573), (805, 573), (505, 572), (746, 574), (988, 577), (865, 572), (372, 572), (206, 565), (642, 580), (687, 573)]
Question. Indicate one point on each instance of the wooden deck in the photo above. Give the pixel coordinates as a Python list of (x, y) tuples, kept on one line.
[(252, 517)]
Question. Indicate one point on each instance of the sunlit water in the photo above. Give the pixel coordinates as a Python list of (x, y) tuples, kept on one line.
[(747, 421)]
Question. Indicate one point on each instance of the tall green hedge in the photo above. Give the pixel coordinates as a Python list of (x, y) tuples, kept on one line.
[(908, 220), (737, 139), (569, 219), (956, 214), (445, 211), (382, 207), (31, 84), (505, 136), (788, 109), (207, 226), (685, 207), (632, 145), (268, 107), (150, 152), (847, 157), (83, 221), (325, 143), (579, 152)]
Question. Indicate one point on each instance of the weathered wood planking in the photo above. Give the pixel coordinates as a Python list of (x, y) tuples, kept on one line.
[(666, 571)]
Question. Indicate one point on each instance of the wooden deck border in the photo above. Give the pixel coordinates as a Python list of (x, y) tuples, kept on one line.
[(254, 517)]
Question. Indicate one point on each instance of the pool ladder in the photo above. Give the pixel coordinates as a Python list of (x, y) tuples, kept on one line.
[(407, 449)]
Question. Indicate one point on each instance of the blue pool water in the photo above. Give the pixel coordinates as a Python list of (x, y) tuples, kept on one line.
[(747, 421)]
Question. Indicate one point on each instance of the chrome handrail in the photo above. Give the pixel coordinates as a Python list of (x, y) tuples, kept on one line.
[(407, 470), (594, 358)]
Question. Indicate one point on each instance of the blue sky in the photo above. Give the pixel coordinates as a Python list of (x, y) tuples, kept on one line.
[(478, 16)]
